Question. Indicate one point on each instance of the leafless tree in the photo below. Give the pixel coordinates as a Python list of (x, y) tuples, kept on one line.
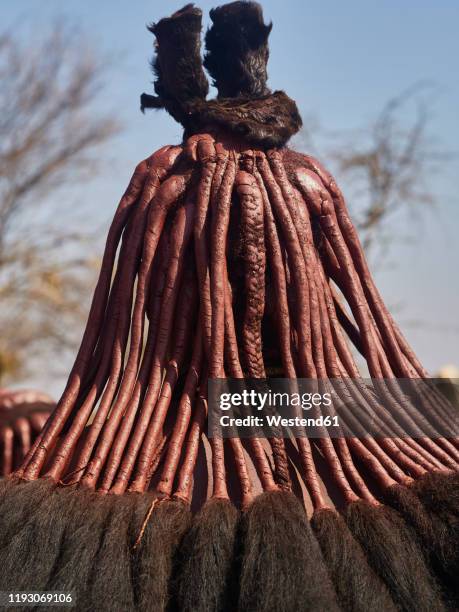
[(391, 166), (386, 167), (49, 134)]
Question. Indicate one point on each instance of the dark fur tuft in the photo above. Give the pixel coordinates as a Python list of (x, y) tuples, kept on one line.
[(155, 556), (83, 536), (358, 588), (237, 53), (439, 492), (395, 556), (30, 555), (177, 66), (80, 541), (264, 122), (206, 560), (111, 583), (16, 506), (436, 537), (237, 50), (281, 567)]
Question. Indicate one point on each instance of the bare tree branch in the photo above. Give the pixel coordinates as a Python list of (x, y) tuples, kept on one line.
[(49, 136), (388, 166)]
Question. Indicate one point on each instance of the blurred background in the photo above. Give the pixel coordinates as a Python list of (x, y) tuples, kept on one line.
[(376, 84)]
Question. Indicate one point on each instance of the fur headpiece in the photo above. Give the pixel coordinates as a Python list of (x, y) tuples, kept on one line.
[(177, 65), (236, 57), (237, 50)]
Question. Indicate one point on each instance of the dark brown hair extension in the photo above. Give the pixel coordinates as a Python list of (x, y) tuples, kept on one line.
[(394, 555), (439, 492), (357, 586), (110, 582), (83, 537), (15, 506), (155, 552), (281, 564), (30, 554), (437, 538), (205, 570)]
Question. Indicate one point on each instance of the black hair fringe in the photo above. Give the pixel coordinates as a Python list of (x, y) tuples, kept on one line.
[(439, 492), (29, 557), (357, 586), (282, 567), (111, 585), (156, 554), (206, 563), (84, 535), (394, 554), (16, 505), (436, 538)]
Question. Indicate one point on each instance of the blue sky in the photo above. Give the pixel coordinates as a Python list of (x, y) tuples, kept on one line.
[(340, 61)]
